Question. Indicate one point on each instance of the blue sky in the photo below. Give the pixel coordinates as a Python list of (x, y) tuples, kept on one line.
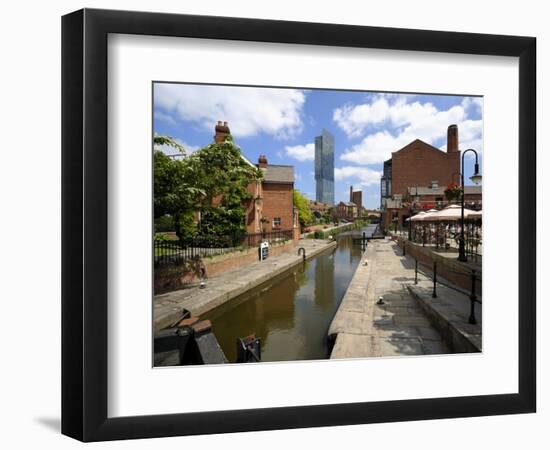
[(282, 124)]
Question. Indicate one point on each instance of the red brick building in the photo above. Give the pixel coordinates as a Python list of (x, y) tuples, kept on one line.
[(346, 211), (357, 198), (272, 205), (416, 176)]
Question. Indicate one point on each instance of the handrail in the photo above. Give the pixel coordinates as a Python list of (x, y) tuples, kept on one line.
[(473, 275)]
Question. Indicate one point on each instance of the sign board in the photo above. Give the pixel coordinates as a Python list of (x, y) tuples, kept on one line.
[(264, 250)]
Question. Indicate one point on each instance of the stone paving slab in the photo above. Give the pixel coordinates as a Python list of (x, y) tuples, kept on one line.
[(167, 308), (362, 328), (450, 313)]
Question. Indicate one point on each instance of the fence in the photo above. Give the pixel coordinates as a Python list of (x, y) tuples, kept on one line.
[(177, 252), (445, 238), (473, 275)]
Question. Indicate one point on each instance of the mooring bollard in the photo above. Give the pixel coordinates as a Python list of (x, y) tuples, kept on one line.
[(434, 293), (473, 299), (303, 250), (416, 271)]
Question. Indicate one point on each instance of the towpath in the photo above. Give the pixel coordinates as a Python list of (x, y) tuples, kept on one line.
[(167, 308), (402, 325)]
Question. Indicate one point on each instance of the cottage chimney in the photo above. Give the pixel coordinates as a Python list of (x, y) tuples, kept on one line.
[(222, 131), (452, 139), (262, 162)]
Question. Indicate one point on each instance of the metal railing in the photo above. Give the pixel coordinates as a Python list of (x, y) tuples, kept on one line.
[(473, 275), (178, 252), (447, 240)]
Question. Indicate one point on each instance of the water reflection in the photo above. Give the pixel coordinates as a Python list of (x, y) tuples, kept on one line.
[(291, 314)]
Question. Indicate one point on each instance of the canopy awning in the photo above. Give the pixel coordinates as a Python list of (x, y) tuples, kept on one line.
[(450, 213)]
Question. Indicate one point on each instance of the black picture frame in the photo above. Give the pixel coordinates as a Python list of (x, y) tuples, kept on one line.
[(84, 224)]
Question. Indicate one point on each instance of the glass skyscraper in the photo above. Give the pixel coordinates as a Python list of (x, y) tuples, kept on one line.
[(324, 168)]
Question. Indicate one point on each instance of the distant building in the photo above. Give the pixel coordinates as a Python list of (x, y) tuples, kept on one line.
[(324, 168), (357, 198), (416, 176), (346, 211), (272, 205), (319, 209)]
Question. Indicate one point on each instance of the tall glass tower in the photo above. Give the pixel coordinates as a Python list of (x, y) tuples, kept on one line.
[(324, 168)]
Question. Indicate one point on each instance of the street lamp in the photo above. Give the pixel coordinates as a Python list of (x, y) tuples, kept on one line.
[(410, 213), (475, 178)]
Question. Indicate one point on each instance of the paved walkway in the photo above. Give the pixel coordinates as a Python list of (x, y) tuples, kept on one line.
[(399, 326), (450, 312), (167, 308)]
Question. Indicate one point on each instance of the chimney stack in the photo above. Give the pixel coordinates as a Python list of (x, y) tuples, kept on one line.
[(351, 193), (222, 131), (452, 139), (262, 162)]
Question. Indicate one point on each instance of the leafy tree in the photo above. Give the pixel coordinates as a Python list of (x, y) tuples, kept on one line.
[(224, 177), (301, 203), (212, 181), (161, 140)]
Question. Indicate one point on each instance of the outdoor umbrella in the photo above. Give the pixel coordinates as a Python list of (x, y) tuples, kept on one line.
[(475, 215), (418, 216), (428, 216), (451, 212)]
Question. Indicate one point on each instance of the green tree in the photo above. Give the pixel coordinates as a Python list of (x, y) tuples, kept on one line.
[(212, 181), (224, 176), (301, 203)]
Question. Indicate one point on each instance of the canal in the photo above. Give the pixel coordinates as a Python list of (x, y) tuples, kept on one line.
[(291, 314)]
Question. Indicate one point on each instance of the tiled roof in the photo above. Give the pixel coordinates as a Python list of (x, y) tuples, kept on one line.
[(279, 174)]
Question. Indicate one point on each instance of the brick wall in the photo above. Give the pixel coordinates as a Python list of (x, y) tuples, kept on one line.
[(254, 208), (278, 202), (452, 270), (173, 278), (419, 164)]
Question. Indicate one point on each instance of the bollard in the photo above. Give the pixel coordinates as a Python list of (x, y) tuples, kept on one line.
[(416, 271), (473, 299), (434, 293), (404, 252)]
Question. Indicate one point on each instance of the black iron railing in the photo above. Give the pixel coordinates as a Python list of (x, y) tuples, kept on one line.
[(431, 271), (177, 252)]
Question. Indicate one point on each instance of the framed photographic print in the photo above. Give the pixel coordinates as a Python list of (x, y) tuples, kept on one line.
[(273, 224)]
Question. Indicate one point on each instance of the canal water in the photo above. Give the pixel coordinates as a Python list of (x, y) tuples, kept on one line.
[(291, 314)]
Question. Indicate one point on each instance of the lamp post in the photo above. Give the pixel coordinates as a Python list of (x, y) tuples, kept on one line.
[(476, 178), (410, 213)]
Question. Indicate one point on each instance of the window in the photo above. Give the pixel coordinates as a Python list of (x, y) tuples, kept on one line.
[(276, 222)]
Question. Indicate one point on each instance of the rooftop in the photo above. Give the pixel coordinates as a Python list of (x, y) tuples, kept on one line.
[(279, 174)]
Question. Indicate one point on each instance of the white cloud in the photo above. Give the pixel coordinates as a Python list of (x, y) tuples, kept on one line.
[(362, 176), (301, 152), (248, 110), (172, 151), (394, 109), (402, 123), (164, 117), (475, 103)]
